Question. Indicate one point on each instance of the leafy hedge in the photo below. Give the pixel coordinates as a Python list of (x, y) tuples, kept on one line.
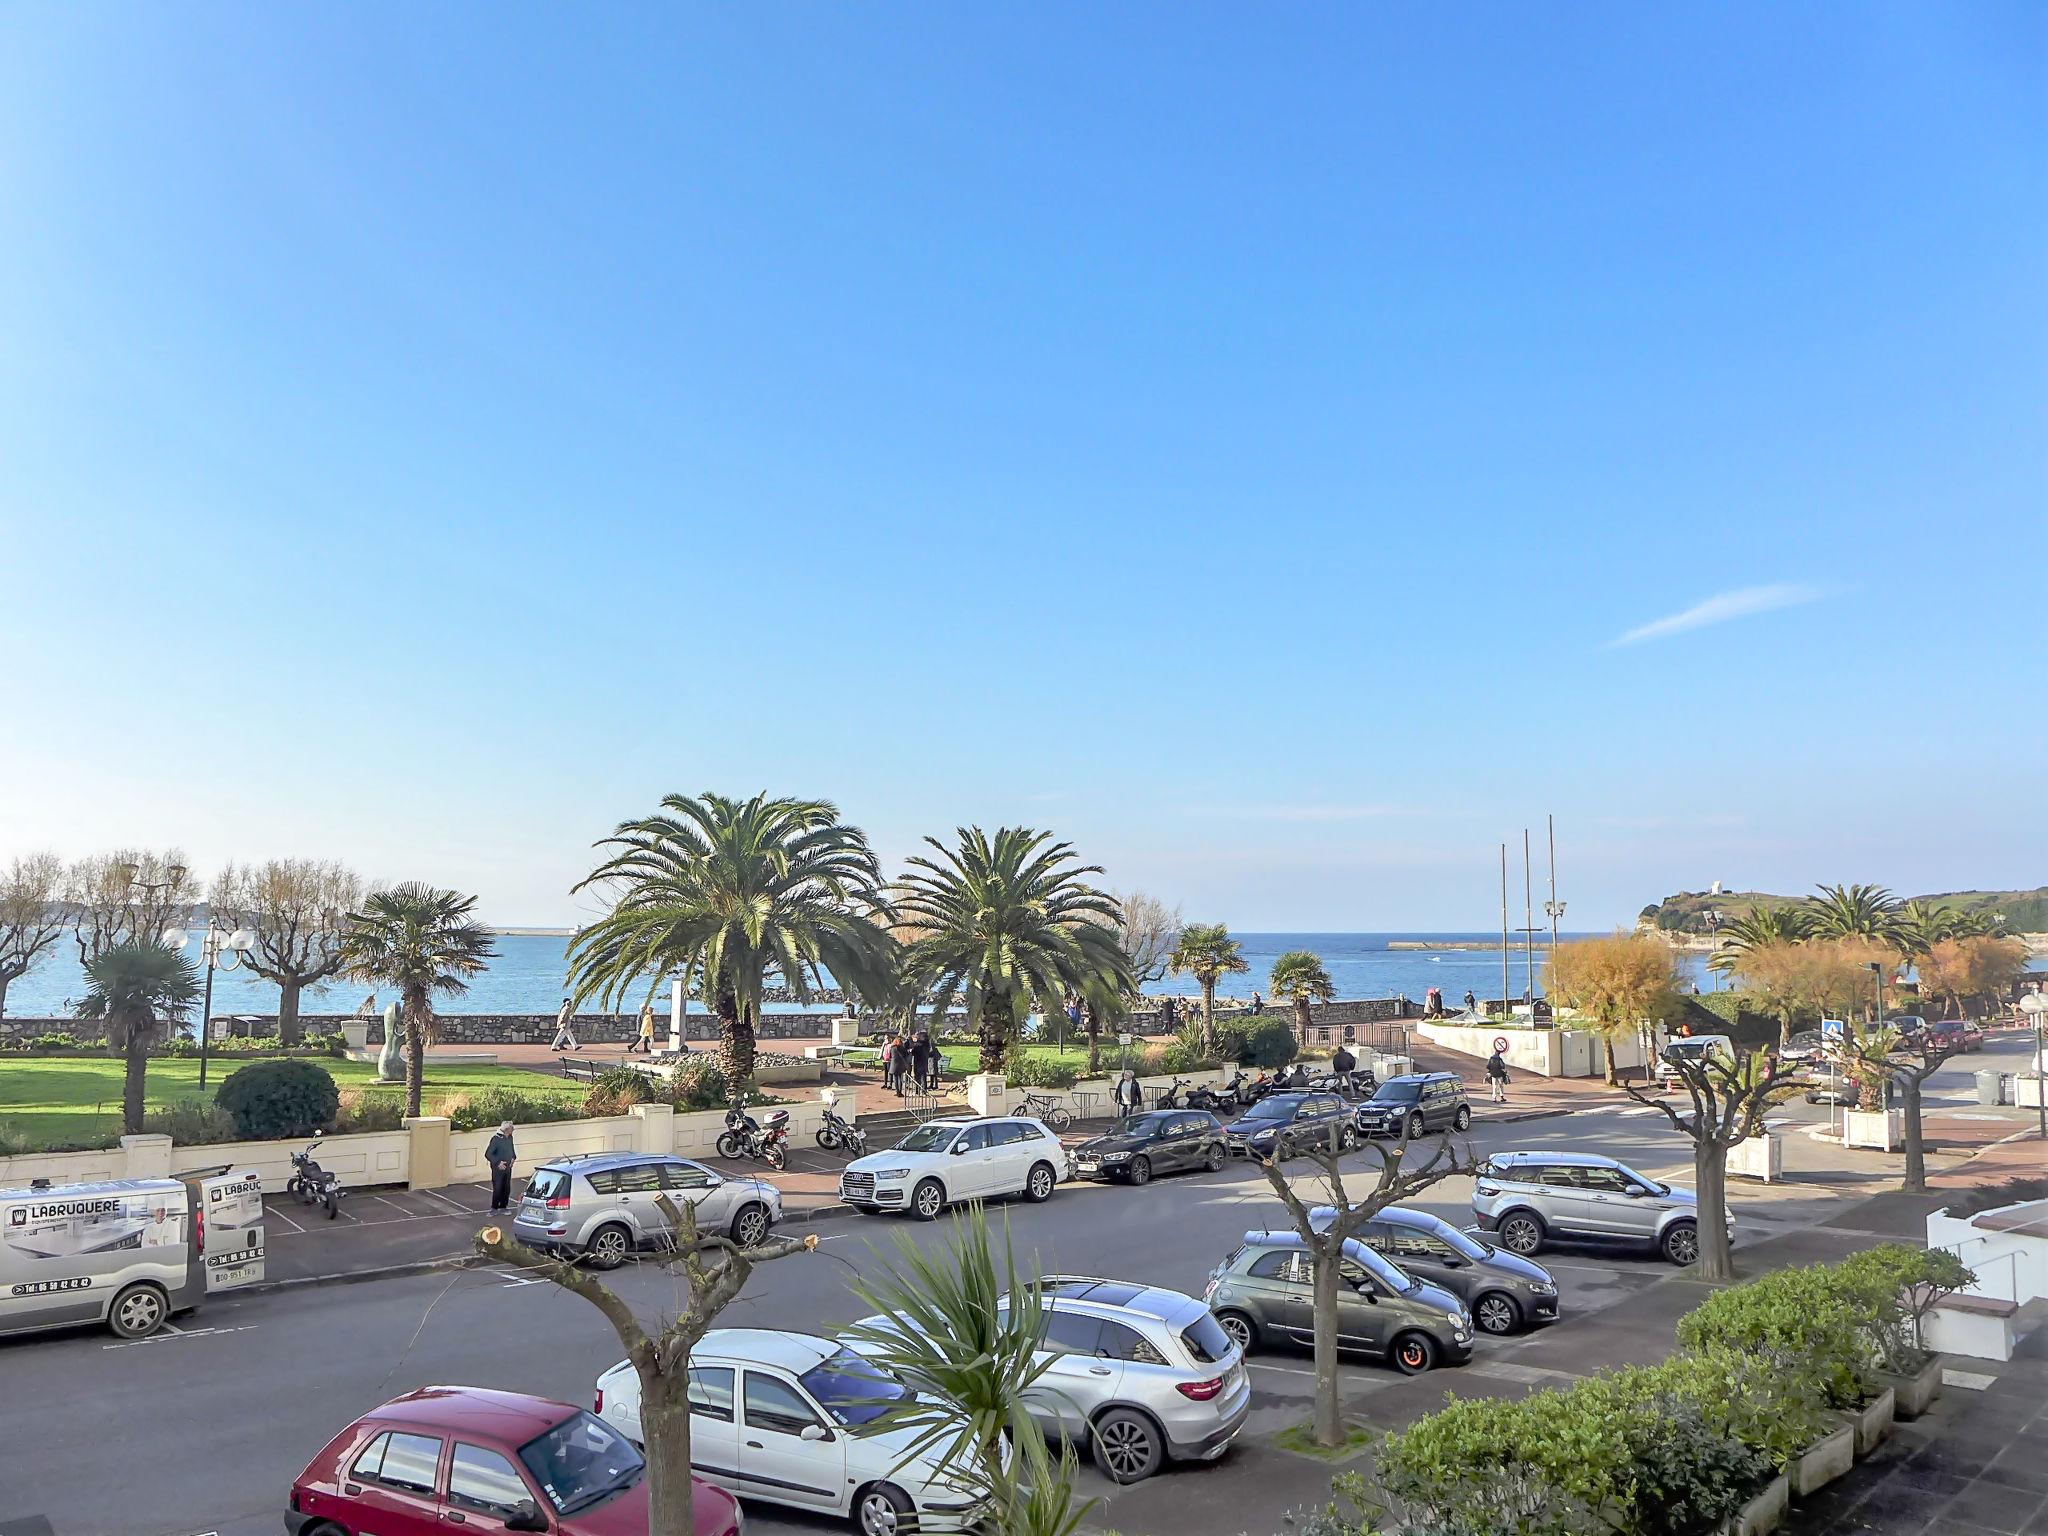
[(272, 1100), (1267, 1040), (1041, 1072)]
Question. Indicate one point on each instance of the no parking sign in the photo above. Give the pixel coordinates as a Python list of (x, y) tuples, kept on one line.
[(1500, 1044)]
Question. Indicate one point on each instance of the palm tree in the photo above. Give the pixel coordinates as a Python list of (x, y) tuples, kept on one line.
[(1299, 976), (1853, 912), (1207, 952), (1922, 926), (420, 940), (138, 988), (1758, 928), (733, 891), (1010, 923)]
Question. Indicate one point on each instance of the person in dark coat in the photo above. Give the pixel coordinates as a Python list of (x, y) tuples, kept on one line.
[(1344, 1064), (1130, 1098), (500, 1156), (1497, 1078), (924, 1057)]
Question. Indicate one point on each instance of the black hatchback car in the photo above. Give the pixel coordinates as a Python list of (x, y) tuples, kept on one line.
[(1158, 1141), (1415, 1105), (1504, 1290), (1283, 1124)]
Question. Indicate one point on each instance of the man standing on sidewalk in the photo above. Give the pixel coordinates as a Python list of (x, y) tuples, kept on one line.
[(565, 1034), (500, 1155)]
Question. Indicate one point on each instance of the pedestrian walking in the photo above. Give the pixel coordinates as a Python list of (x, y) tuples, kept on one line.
[(1471, 1004), (1258, 1003), (499, 1154), (1497, 1078), (646, 1031), (565, 1032), (1130, 1098)]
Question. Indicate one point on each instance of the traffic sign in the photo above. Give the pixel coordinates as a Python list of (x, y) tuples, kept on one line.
[(1500, 1043), (1833, 1027)]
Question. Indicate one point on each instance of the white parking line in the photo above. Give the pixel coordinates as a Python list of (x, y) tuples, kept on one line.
[(167, 1332), (451, 1204), (394, 1205), (278, 1212)]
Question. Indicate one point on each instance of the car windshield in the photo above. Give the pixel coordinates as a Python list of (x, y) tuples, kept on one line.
[(928, 1138), (854, 1391), (1398, 1093), (1274, 1109), (581, 1461), (1461, 1243), (1146, 1125), (1387, 1274)]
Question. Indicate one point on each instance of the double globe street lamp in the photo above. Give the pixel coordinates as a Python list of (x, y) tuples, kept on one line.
[(221, 949)]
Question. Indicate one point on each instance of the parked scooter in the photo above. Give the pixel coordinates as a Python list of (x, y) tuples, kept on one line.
[(1218, 1100), (837, 1134), (1171, 1099), (314, 1185), (762, 1141)]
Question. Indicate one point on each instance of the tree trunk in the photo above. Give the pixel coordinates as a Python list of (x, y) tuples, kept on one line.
[(1916, 1152), (735, 1042), (1208, 1017), (137, 1053), (288, 1032), (1301, 1020), (994, 1031), (1607, 1050), (415, 1016), (1329, 1418), (1091, 1019), (4, 979), (1710, 1184), (665, 1424)]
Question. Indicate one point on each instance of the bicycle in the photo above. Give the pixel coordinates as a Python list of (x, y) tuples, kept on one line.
[(1043, 1106)]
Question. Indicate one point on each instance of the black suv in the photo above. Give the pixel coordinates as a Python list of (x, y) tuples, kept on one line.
[(1415, 1105), (1282, 1124)]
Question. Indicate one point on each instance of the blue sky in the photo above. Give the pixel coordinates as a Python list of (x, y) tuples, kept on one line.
[(1285, 451)]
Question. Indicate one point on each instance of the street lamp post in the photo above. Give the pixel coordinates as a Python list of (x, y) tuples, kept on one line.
[(1713, 917), (2035, 1006), (220, 949)]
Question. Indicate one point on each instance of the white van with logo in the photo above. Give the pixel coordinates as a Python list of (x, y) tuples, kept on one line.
[(127, 1253)]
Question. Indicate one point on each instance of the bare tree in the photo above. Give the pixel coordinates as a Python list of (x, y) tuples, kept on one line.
[(31, 915), (714, 1271), (1729, 1098), (297, 909), (1147, 926), (1346, 1216), (1889, 1059), (128, 895)]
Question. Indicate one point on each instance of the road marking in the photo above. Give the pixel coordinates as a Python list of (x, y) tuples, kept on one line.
[(394, 1205), (528, 1280), (280, 1215), (452, 1205), (167, 1333)]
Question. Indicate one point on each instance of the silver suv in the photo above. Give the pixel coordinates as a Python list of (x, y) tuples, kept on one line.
[(1528, 1198), (604, 1206), (1140, 1375)]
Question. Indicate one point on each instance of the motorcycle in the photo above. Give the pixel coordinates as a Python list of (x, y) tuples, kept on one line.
[(836, 1134), (1171, 1099), (311, 1184), (1250, 1093), (762, 1141), (1218, 1100)]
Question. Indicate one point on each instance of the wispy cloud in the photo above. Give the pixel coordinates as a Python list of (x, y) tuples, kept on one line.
[(1723, 606)]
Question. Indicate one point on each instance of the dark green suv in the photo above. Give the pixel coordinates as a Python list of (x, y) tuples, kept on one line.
[(1265, 1292)]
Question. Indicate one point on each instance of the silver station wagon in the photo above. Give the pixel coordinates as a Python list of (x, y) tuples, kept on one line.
[(605, 1207)]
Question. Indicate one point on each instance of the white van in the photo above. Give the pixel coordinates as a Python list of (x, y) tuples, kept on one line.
[(1690, 1048), (128, 1253)]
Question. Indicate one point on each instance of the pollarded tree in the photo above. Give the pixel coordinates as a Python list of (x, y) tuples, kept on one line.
[(1728, 1097), (420, 940), (296, 908), (1207, 952), (734, 892), (1008, 925), (31, 916), (1327, 1226), (139, 989), (714, 1270), (128, 896), (1299, 977), (1884, 1057), (1625, 981)]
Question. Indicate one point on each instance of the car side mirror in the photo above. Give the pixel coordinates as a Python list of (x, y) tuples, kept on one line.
[(1365, 1290), (527, 1517), (813, 1432), (959, 1149), (1452, 1261), (1635, 1191)]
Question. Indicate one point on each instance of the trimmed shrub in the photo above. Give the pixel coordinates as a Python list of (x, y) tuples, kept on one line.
[(618, 1089), (1802, 1321), (191, 1123), (1894, 1287), (1043, 1072), (485, 1110), (1181, 1058), (275, 1100), (1268, 1041)]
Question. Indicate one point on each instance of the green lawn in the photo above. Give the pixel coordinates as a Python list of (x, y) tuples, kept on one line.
[(70, 1099), (967, 1058)]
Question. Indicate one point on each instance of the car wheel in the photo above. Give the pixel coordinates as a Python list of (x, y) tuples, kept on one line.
[(750, 1225), (882, 1509), (138, 1311), (1522, 1233), (608, 1247), (1413, 1353), (1346, 1138), (1244, 1333), (1040, 1182), (1497, 1312), (1139, 1170), (1216, 1159), (1128, 1448), (1417, 1126), (1682, 1243), (1462, 1120), (927, 1200)]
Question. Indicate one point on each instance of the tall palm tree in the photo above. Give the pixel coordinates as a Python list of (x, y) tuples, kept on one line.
[(420, 940), (1207, 952), (1299, 977), (1758, 928), (1853, 912), (1923, 925), (734, 891), (1010, 925), (138, 988)]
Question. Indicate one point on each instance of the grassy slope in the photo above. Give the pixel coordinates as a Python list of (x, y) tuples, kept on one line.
[(2025, 911), (74, 1098)]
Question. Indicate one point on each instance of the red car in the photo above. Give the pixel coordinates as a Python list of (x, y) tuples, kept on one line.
[(448, 1459), (1961, 1033)]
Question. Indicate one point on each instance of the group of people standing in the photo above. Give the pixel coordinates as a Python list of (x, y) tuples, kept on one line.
[(911, 1063)]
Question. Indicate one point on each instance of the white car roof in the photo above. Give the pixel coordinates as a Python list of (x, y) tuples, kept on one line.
[(793, 1352)]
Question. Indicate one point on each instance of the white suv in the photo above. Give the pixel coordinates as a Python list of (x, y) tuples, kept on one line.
[(790, 1418), (946, 1161)]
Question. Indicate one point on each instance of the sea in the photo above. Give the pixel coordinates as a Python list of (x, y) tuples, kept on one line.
[(527, 975)]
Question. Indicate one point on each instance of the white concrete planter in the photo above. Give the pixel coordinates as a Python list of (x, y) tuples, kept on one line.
[(1764, 1513), (355, 1035), (1760, 1157), (1879, 1130), (1873, 1422), (1913, 1395), (1829, 1457)]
